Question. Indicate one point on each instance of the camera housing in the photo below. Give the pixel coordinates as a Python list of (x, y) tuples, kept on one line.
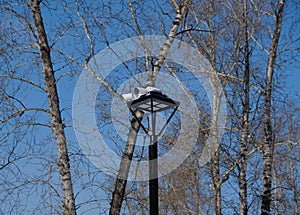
[(138, 92)]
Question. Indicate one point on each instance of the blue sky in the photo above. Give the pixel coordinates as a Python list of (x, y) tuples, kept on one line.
[(293, 80), (66, 88)]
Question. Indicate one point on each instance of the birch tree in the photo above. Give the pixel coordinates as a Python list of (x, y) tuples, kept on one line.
[(269, 142), (55, 112)]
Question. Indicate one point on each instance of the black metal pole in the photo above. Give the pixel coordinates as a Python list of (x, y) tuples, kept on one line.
[(153, 170)]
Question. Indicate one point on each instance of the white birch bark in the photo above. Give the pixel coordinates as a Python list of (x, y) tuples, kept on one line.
[(53, 101), (268, 142), (120, 185), (180, 11), (245, 121)]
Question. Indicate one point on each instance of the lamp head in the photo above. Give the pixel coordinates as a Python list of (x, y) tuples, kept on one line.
[(153, 101)]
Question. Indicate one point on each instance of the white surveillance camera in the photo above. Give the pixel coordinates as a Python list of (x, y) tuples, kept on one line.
[(138, 92), (128, 97)]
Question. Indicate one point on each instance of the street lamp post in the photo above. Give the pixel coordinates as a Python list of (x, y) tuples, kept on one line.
[(153, 101)]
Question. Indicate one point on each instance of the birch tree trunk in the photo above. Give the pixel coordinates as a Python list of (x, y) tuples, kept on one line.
[(180, 11), (245, 132), (53, 101), (268, 142), (120, 185), (215, 175)]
